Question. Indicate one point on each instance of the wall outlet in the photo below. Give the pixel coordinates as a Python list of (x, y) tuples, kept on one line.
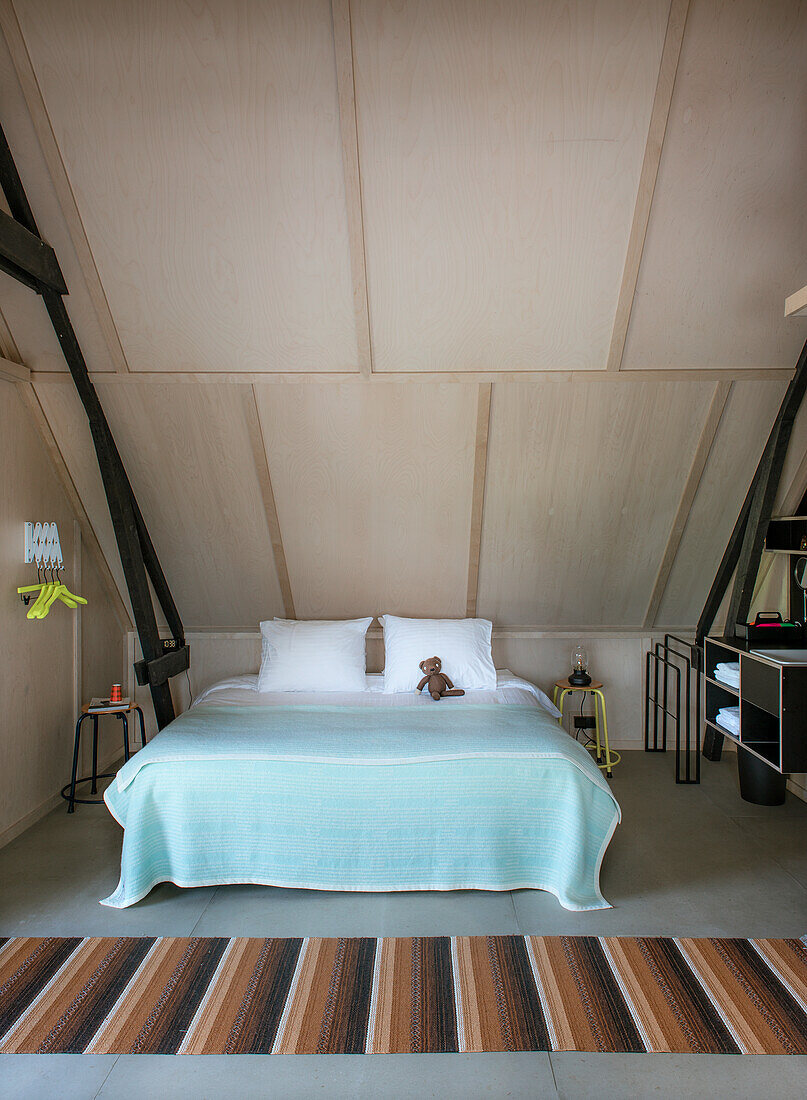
[(584, 722)]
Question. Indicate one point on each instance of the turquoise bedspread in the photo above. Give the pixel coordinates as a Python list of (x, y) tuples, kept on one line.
[(491, 797)]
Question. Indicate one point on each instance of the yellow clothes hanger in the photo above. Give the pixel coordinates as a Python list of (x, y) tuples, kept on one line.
[(37, 611), (49, 592), (64, 594)]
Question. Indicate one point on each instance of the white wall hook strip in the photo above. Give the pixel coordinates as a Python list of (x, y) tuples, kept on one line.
[(42, 544)]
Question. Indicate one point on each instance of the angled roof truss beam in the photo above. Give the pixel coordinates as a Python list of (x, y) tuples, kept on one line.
[(25, 256), (28, 255)]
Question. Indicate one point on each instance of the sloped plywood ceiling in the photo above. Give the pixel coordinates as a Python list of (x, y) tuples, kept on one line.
[(355, 281)]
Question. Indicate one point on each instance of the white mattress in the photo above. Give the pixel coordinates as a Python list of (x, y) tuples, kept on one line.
[(243, 691)]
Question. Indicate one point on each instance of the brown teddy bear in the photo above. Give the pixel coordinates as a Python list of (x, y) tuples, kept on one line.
[(439, 683)]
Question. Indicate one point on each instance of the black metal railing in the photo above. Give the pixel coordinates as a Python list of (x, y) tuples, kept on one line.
[(671, 660)]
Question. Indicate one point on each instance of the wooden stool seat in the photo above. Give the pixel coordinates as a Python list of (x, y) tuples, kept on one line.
[(118, 710), (595, 685), (68, 791)]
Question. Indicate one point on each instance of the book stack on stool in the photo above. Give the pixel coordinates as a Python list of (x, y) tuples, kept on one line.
[(119, 706)]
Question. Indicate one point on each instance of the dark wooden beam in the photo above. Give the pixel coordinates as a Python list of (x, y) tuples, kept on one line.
[(770, 465), (137, 554), (29, 253), (725, 570), (744, 549), (18, 274), (761, 509)]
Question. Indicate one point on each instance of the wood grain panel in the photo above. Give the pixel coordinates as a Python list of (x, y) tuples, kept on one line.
[(346, 85), (202, 144), (702, 452), (744, 427), (248, 378), (583, 484), (91, 546), (8, 345), (676, 24), (264, 477), (189, 460), (30, 747), (373, 487), (725, 243), (38, 667), (24, 313), (58, 178), (796, 304), (478, 498), (65, 418), (13, 372), (501, 144)]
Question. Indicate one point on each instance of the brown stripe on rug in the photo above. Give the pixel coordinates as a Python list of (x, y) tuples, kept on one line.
[(405, 995)]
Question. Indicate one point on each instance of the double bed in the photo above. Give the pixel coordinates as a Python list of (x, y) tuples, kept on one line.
[(365, 791)]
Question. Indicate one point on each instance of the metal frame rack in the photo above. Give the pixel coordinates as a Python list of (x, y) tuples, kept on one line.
[(669, 660)]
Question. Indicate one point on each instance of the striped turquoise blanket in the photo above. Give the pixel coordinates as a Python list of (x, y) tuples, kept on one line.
[(477, 796)]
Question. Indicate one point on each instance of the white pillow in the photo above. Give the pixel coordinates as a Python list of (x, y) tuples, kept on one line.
[(317, 655), (463, 645)]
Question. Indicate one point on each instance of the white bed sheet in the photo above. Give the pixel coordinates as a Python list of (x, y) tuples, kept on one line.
[(243, 691)]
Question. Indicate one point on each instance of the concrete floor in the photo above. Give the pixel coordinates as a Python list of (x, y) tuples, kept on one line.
[(690, 861)]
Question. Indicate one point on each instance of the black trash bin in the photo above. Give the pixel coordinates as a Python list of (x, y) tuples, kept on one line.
[(759, 782)]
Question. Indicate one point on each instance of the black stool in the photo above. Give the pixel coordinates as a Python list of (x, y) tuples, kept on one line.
[(95, 715)]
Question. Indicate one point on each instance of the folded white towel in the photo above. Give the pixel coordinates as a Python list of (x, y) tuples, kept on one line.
[(726, 674), (728, 666), (729, 719)]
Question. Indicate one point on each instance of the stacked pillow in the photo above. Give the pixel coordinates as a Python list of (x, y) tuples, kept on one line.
[(463, 645), (313, 655), (325, 655)]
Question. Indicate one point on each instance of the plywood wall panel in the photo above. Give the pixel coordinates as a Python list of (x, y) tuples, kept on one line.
[(747, 419), (583, 485), (22, 308), (373, 489), (189, 461), (725, 243), (36, 677), (501, 144), (42, 659), (202, 143), (68, 422)]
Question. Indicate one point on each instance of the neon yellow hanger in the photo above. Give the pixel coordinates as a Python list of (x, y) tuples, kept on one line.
[(38, 609), (49, 592)]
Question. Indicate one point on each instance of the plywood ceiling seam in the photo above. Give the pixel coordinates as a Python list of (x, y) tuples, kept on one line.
[(258, 446), (668, 68), (61, 182), (8, 345), (30, 399), (702, 452), (796, 304), (478, 494), (241, 378), (348, 128), (13, 372)]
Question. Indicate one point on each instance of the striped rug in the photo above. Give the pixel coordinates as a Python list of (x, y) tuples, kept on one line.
[(421, 995)]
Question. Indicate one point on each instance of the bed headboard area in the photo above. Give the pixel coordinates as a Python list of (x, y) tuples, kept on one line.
[(617, 657)]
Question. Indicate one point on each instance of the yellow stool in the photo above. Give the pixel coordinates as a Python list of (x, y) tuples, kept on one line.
[(605, 758)]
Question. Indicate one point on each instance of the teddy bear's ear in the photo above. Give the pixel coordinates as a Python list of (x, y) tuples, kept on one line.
[(439, 663), (420, 666)]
